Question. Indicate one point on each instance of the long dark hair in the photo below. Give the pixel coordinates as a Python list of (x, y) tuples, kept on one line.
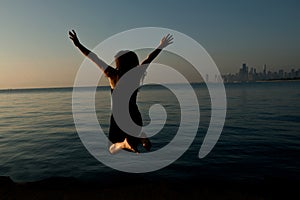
[(125, 61)]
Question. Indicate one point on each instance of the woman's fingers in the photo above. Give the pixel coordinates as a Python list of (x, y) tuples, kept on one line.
[(71, 34), (169, 37)]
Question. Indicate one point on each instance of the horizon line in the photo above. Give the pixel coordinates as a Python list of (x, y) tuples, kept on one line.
[(69, 87)]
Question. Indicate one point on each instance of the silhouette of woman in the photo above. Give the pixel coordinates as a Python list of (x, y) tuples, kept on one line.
[(125, 60)]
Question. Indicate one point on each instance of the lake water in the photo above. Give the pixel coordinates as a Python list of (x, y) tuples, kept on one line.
[(261, 136)]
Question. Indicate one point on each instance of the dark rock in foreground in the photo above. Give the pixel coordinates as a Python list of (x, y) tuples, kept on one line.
[(71, 188)]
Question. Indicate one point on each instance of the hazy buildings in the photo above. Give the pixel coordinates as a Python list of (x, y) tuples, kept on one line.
[(246, 75)]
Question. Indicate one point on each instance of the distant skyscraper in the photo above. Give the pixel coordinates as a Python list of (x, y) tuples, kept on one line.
[(281, 73), (265, 71), (251, 74), (251, 70), (243, 75), (293, 73)]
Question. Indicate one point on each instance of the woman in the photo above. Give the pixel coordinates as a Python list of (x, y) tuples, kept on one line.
[(125, 60)]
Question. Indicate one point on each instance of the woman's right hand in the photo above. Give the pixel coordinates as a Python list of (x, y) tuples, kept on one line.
[(165, 41), (74, 38)]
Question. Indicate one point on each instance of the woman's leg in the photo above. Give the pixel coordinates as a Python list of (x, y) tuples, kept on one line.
[(141, 137), (115, 133), (119, 139)]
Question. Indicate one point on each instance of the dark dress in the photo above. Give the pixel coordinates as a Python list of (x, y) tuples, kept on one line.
[(116, 134)]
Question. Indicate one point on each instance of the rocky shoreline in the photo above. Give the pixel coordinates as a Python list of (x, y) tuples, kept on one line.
[(71, 188)]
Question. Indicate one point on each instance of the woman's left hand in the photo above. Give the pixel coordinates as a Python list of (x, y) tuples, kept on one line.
[(165, 41)]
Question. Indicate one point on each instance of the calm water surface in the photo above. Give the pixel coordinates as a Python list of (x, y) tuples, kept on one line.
[(261, 136)]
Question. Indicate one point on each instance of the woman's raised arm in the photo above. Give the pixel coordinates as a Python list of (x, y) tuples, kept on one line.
[(164, 42), (100, 63)]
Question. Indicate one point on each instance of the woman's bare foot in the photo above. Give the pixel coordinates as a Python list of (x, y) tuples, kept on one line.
[(116, 147), (146, 142), (127, 146)]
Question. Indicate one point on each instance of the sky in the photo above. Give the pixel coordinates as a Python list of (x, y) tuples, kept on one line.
[(35, 50)]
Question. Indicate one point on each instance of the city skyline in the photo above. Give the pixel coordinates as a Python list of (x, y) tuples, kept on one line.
[(246, 74)]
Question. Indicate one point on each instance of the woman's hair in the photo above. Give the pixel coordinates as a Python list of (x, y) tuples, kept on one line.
[(125, 61)]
